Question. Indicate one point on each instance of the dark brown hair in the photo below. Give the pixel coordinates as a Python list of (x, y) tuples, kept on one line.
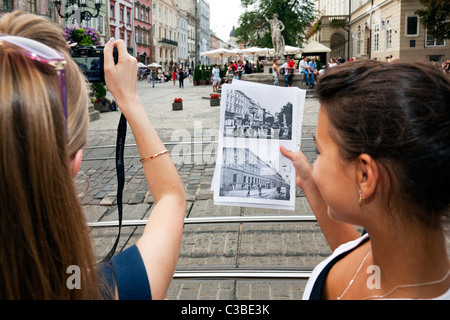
[(399, 114)]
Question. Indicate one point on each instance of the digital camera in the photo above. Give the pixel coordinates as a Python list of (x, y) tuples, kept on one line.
[(90, 60)]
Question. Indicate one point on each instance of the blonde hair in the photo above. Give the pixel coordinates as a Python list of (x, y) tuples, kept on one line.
[(42, 223)]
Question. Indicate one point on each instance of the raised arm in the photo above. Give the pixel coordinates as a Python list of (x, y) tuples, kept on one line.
[(336, 233), (160, 243)]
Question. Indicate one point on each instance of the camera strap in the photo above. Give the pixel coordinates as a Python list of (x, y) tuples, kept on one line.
[(120, 146)]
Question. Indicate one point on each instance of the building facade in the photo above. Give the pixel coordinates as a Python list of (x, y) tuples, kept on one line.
[(165, 36), (121, 20), (375, 29), (183, 36), (169, 32), (47, 8), (143, 30)]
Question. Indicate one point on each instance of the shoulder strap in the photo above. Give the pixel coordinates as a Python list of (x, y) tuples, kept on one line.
[(120, 146)]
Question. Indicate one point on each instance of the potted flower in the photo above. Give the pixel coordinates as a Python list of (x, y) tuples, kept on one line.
[(101, 103), (82, 36), (214, 100), (177, 104)]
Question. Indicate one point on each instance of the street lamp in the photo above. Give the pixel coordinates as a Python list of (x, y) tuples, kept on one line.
[(84, 15)]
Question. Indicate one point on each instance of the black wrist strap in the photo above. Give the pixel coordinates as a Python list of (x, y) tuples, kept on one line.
[(120, 146)]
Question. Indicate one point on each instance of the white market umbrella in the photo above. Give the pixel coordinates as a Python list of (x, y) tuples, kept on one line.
[(290, 50), (154, 65), (219, 53), (254, 51), (141, 65), (315, 46)]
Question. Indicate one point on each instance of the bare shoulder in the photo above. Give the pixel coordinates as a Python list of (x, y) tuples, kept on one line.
[(347, 278)]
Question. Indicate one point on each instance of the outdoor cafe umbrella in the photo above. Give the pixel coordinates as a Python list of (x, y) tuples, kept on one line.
[(141, 65), (154, 65), (254, 50), (290, 50), (220, 53)]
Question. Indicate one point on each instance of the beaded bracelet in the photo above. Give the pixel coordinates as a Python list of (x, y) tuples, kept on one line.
[(154, 156)]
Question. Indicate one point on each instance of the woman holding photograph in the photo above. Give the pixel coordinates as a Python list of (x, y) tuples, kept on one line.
[(383, 163)]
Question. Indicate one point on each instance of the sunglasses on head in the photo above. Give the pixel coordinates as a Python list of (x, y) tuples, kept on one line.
[(40, 52)]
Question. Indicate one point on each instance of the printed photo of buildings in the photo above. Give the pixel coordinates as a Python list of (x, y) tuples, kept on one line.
[(245, 174), (246, 117)]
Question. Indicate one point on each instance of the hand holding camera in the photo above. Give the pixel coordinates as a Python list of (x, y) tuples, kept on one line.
[(120, 78)]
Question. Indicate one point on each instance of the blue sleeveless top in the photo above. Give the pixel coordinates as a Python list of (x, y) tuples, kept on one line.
[(126, 271)]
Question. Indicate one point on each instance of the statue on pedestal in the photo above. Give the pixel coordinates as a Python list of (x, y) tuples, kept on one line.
[(277, 27)]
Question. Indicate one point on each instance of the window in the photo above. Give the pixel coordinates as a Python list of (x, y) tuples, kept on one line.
[(389, 33), (358, 43), (430, 41), (121, 14), (8, 5), (111, 11), (100, 24), (412, 26), (31, 6), (376, 37)]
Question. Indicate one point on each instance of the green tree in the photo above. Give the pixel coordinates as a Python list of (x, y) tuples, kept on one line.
[(435, 17), (253, 29)]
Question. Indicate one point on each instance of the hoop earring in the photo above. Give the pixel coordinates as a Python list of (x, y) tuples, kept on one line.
[(361, 196)]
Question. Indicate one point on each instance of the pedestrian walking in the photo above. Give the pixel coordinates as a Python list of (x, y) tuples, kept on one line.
[(181, 77)]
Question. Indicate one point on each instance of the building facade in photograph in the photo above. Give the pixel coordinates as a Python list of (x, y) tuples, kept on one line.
[(375, 29), (245, 117), (242, 113), (244, 170)]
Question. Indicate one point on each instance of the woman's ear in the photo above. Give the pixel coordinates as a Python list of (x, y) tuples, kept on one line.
[(75, 163), (367, 175)]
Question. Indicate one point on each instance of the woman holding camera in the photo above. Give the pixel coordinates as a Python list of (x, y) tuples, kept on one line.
[(43, 128)]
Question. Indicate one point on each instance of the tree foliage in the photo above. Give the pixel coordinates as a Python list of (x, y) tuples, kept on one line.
[(435, 17), (253, 29)]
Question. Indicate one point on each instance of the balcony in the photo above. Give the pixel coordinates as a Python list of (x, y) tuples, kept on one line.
[(168, 41)]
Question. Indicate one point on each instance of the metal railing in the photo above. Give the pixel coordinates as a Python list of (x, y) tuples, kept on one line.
[(273, 272)]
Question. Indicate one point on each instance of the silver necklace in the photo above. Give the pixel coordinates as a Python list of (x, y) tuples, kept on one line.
[(357, 271), (413, 285)]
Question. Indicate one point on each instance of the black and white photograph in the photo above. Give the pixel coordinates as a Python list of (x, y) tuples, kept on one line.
[(247, 174), (255, 114), (257, 119)]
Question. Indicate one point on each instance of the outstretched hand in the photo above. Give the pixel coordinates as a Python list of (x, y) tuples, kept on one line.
[(120, 78), (303, 169)]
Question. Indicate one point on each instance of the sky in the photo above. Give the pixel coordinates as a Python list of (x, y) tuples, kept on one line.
[(223, 15)]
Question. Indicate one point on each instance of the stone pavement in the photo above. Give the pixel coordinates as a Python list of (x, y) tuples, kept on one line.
[(204, 246)]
